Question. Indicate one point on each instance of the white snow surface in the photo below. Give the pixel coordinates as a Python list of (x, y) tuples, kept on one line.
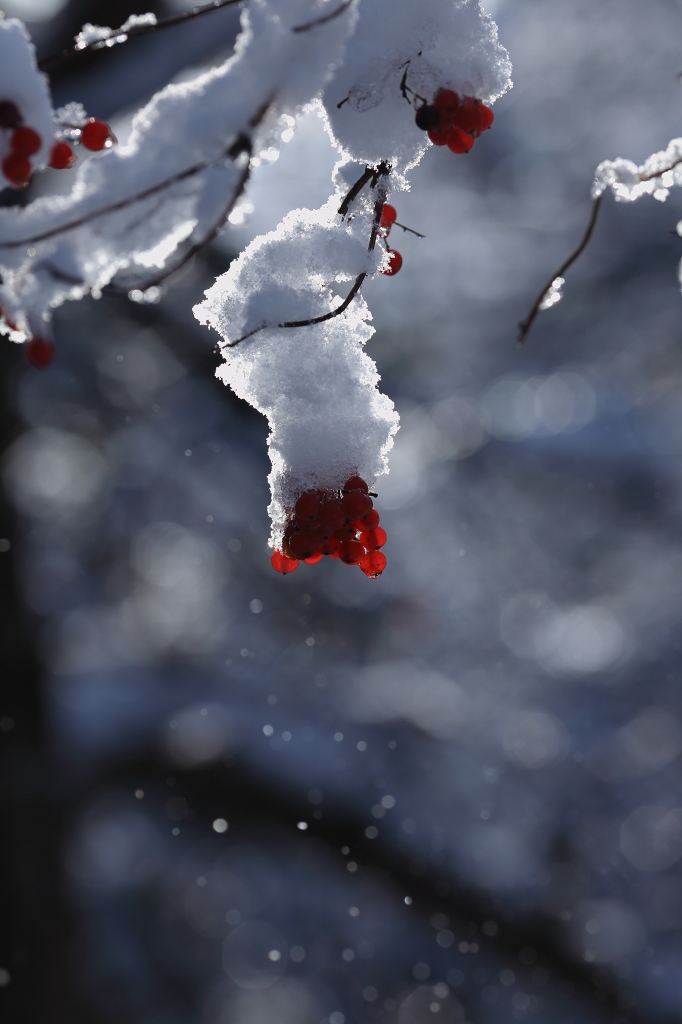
[(629, 181), (90, 34), (24, 85)]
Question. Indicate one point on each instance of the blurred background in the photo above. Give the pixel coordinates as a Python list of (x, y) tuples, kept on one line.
[(452, 794)]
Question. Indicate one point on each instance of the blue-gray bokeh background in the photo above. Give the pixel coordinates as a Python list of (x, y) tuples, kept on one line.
[(492, 730)]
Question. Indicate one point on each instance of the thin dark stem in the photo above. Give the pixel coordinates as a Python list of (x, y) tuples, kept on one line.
[(164, 275), (120, 205), (525, 325), (374, 173), (308, 25), (397, 224), (355, 190), (132, 33)]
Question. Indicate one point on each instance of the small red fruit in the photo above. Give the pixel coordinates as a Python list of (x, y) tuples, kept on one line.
[(331, 547), (62, 156), (395, 264), (370, 522), (374, 539), (473, 117), (314, 559), (439, 136), (487, 117), (459, 141), (307, 507), (351, 552), (332, 515), (373, 564), (17, 169), (95, 134), (388, 216), (25, 142), (10, 117), (356, 483), (345, 533), (446, 102), (40, 352), (282, 564), (303, 544), (356, 505)]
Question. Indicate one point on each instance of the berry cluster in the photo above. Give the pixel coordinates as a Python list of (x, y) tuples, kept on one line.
[(388, 218), (454, 122), (25, 142), (343, 526)]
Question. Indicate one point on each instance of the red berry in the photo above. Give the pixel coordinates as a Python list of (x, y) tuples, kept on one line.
[(427, 117), (351, 552), (10, 116), (40, 352), (17, 169), (25, 142), (446, 103), (373, 539), (3, 316), (62, 156), (331, 547), (332, 515), (307, 507), (356, 483), (356, 505), (370, 522), (345, 533), (473, 117), (487, 117), (280, 563), (388, 215), (95, 134), (314, 559), (459, 141), (439, 136), (395, 264), (303, 544), (373, 564)]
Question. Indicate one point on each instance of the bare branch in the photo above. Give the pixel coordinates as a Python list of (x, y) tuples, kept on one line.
[(323, 21), (355, 190), (397, 224), (525, 325), (132, 33)]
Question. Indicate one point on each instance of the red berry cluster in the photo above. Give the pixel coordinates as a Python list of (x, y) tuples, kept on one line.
[(25, 143), (388, 218), (343, 526), (454, 122)]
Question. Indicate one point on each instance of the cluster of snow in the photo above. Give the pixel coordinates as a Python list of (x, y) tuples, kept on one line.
[(91, 34), (184, 169), (629, 181), (23, 85)]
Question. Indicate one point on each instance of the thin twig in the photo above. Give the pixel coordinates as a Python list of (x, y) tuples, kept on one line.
[(114, 289), (375, 173), (525, 325), (397, 224), (355, 190), (132, 33), (308, 25)]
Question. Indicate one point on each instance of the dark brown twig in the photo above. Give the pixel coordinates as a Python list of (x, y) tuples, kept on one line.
[(374, 173), (307, 26), (132, 33), (355, 190), (397, 224), (525, 325)]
